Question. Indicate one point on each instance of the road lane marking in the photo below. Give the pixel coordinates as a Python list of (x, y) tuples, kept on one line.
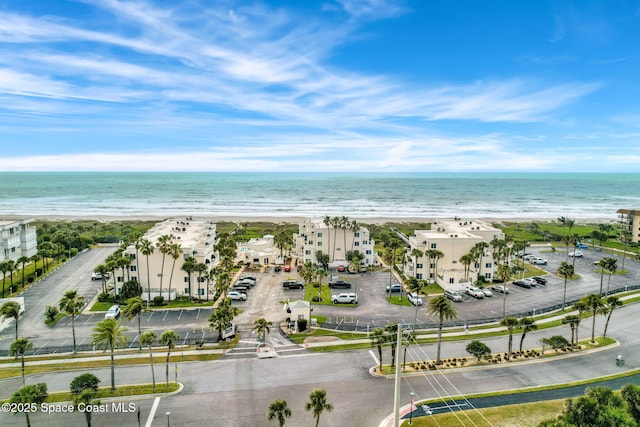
[(373, 355), (166, 313), (152, 413)]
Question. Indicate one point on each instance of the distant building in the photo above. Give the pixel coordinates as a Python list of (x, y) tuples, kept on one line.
[(629, 220), (17, 239), (453, 238), (196, 238), (336, 241)]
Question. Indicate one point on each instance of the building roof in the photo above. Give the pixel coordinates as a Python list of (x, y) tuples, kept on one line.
[(628, 211)]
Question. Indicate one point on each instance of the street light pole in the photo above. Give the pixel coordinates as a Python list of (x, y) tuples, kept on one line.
[(168, 423)]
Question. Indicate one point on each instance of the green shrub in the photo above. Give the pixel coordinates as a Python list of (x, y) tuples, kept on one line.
[(302, 325), (51, 314), (158, 300)]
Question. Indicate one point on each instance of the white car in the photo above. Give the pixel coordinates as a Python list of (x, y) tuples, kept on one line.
[(475, 292), (453, 296), (486, 292), (113, 313), (414, 298), (539, 261), (345, 298), (500, 288), (238, 296), (576, 254)]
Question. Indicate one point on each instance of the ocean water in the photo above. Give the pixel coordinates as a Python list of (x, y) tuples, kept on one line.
[(442, 195)]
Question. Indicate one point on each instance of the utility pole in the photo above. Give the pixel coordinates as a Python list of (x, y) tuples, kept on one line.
[(396, 396)]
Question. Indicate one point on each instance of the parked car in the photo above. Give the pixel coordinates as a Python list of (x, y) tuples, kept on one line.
[(277, 268), (453, 296), (287, 268), (486, 292), (529, 257), (346, 298), (241, 288), (539, 261), (500, 288), (414, 298), (236, 295), (339, 283), (341, 268), (581, 245), (540, 280), (474, 292), (396, 287), (576, 254), (113, 312), (522, 283), (98, 276), (246, 282), (249, 277), (292, 284), (531, 281)]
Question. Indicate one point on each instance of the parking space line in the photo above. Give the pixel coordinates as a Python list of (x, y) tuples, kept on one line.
[(180, 315), (152, 413), (375, 358), (166, 313), (149, 316), (198, 315)]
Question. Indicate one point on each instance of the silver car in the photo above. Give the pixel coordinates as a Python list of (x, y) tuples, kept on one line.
[(453, 296)]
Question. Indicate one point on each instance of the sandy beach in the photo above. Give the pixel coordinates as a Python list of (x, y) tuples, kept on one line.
[(287, 219)]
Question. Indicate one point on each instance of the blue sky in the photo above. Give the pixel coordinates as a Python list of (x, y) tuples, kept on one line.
[(331, 85)]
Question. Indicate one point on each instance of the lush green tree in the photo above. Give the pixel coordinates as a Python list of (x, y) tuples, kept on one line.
[(133, 309), (280, 411), (85, 400), (631, 395), (510, 323), (174, 251), (581, 307), (317, 404), (23, 261), (130, 289), (222, 317), (610, 304), (189, 267), (11, 309), (466, 260), (108, 335), (594, 303), (556, 342), (307, 272), (378, 338), (29, 394), (572, 321), (527, 324), (169, 338), (82, 382), (18, 348), (147, 248), (478, 349), (611, 266), (71, 304), (147, 339), (442, 308), (10, 267), (600, 407), (261, 327), (102, 270), (566, 271)]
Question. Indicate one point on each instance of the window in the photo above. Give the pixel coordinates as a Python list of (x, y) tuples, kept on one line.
[(132, 256), (487, 275), (356, 243), (432, 265), (451, 280), (186, 291), (186, 279), (307, 252), (311, 242), (319, 243), (357, 234), (368, 252), (201, 291), (433, 246), (120, 279), (419, 276), (419, 265), (319, 234), (134, 268), (487, 265)]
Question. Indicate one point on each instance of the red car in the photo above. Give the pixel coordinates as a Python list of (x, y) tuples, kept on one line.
[(287, 268), (341, 268)]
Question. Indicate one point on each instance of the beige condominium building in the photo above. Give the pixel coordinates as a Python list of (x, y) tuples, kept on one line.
[(195, 238), (452, 239), (629, 220), (336, 241), (259, 251), (17, 239)]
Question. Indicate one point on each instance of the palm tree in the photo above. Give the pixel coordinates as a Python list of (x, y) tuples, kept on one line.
[(624, 237), (103, 270), (222, 317), (175, 250), (169, 338), (5, 268), (527, 324), (11, 309), (261, 327), (392, 244), (327, 221), (594, 303), (110, 334), (504, 273), (189, 266), (30, 395), (567, 240), (84, 400), (611, 266), (378, 338), (133, 309), (147, 339), (566, 270), (611, 303), (477, 252), (10, 267), (71, 304), (466, 261), (18, 348), (581, 307), (279, 410), (603, 265), (436, 255), (146, 247), (414, 285), (510, 323), (572, 321), (200, 268), (416, 254), (441, 306), (317, 404), (163, 244), (23, 260)]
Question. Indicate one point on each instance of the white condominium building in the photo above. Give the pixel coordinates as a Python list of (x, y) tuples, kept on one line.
[(335, 240), (451, 239), (629, 220), (195, 238), (17, 239)]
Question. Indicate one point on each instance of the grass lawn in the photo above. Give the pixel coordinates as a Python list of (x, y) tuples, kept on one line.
[(176, 303), (399, 299), (127, 390)]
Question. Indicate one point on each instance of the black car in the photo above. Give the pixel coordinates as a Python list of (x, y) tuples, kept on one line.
[(397, 287), (522, 283), (339, 284), (540, 280)]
